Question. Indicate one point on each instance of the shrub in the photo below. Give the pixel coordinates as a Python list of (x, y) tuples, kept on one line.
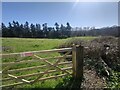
[(101, 48)]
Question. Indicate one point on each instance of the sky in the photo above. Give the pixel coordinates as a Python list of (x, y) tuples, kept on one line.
[(78, 14), (60, 0)]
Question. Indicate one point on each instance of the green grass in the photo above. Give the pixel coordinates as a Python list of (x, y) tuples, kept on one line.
[(114, 80), (12, 45), (20, 44)]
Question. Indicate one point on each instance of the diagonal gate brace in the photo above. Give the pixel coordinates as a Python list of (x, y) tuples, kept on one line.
[(52, 65), (26, 81)]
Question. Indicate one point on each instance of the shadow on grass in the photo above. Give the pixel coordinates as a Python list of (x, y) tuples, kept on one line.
[(69, 83)]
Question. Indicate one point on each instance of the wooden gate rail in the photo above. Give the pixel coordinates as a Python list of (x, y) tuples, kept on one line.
[(52, 65), (77, 65), (30, 61), (36, 67), (41, 79), (35, 52), (35, 74), (21, 79)]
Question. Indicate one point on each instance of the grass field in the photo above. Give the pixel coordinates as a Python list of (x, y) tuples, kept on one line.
[(11, 45), (19, 45)]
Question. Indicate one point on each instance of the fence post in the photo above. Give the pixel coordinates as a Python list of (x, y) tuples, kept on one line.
[(77, 59)]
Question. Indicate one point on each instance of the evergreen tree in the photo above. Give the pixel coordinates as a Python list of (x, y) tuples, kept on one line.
[(26, 31), (62, 31), (57, 33), (33, 30), (21, 34), (68, 29), (45, 30), (4, 30), (10, 30)]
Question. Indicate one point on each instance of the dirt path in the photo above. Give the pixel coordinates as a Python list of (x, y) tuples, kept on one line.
[(91, 80)]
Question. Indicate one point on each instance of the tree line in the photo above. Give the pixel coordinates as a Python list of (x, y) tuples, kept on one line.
[(26, 30), (105, 31), (14, 29)]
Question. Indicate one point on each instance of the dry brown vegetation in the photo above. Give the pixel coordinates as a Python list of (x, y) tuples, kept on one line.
[(100, 58), (105, 48)]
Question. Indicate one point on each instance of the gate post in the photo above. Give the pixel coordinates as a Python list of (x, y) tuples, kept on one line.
[(77, 59)]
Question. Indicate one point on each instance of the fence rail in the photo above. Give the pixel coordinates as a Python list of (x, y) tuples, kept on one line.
[(35, 52), (52, 67), (30, 61), (35, 67)]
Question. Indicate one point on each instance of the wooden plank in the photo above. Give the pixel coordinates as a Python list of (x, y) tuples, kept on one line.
[(35, 67), (5, 71), (35, 52), (25, 69), (64, 63), (56, 67), (9, 66), (51, 77), (30, 61), (42, 79), (77, 54), (44, 59), (56, 63), (52, 65), (35, 74), (10, 85), (18, 79)]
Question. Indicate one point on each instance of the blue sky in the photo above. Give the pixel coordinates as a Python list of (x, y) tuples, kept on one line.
[(78, 14)]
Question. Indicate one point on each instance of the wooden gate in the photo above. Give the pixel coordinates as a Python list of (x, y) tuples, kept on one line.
[(30, 67)]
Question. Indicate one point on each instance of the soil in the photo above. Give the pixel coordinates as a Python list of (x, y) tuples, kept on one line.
[(92, 80)]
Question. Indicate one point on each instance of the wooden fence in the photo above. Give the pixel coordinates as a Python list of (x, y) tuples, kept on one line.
[(10, 73)]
